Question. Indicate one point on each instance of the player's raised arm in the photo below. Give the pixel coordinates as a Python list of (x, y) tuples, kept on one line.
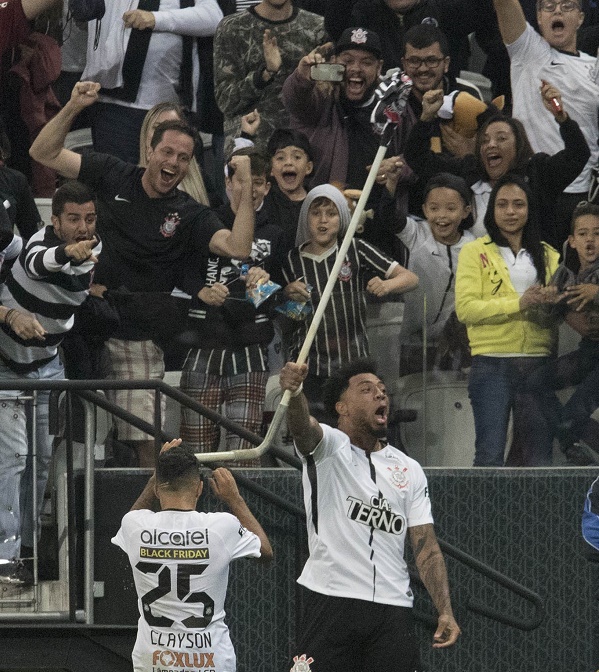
[(224, 487), (306, 431), (48, 148)]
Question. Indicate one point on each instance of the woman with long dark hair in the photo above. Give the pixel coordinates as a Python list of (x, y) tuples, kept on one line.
[(501, 281), (502, 146)]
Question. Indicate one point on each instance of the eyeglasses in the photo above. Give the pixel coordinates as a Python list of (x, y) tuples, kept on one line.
[(429, 61), (565, 6)]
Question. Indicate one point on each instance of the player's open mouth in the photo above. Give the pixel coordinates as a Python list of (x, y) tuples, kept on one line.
[(558, 24), (167, 174), (381, 414)]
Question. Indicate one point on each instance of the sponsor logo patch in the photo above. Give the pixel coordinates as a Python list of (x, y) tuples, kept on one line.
[(302, 663)]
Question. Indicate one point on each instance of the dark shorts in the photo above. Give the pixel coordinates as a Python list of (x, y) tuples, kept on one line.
[(341, 634)]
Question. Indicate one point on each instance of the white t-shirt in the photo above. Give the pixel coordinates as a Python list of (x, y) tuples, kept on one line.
[(357, 525), (532, 59), (180, 562)]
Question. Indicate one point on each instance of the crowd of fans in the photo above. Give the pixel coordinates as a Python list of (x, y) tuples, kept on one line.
[(470, 210)]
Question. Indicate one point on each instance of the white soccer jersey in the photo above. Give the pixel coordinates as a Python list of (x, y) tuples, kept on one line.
[(532, 60), (359, 508), (180, 562)]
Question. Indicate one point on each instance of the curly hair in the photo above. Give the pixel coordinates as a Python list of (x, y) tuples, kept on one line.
[(336, 385)]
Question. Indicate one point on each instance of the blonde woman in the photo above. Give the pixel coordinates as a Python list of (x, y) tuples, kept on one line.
[(193, 182)]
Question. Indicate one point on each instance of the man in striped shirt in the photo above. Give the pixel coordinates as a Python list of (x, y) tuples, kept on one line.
[(49, 280)]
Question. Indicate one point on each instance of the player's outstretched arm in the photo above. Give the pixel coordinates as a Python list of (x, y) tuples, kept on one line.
[(224, 487), (306, 431), (432, 570), (511, 19)]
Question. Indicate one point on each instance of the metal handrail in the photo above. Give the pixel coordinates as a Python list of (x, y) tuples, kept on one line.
[(85, 390)]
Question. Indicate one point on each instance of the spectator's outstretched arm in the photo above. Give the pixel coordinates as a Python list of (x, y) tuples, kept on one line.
[(431, 567), (32, 8), (237, 243), (418, 153), (306, 431), (48, 148), (511, 19), (224, 487)]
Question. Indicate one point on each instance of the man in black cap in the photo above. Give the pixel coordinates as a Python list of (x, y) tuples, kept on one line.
[(337, 119)]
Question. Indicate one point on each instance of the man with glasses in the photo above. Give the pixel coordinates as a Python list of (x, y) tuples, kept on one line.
[(337, 120), (47, 283), (552, 56)]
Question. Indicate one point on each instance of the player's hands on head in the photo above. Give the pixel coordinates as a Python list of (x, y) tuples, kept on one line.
[(447, 632), (223, 485), (170, 444), (292, 375)]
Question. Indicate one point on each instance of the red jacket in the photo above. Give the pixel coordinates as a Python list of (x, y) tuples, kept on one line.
[(37, 100)]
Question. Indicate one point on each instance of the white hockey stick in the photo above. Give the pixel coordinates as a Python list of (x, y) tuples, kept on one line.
[(393, 93)]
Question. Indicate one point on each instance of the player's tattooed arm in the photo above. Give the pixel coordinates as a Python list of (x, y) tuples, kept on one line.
[(431, 567)]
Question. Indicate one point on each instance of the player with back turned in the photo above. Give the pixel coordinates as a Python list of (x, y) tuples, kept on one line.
[(180, 560), (363, 498)]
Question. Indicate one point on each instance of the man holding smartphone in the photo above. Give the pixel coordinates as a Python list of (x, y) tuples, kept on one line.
[(336, 118)]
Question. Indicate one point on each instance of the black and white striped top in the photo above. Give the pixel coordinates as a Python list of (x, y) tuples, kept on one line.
[(45, 282), (341, 336)]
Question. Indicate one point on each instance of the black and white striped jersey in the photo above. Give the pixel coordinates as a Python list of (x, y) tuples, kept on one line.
[(45, 282), (341, 337)]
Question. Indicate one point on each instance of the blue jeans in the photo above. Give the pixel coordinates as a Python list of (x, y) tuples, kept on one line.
[(17, 517), (496, 387)]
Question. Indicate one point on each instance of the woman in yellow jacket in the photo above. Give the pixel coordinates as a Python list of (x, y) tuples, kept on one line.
[(500, 284)]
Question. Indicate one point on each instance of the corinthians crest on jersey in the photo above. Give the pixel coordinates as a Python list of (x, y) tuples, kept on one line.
[(170, 224)]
